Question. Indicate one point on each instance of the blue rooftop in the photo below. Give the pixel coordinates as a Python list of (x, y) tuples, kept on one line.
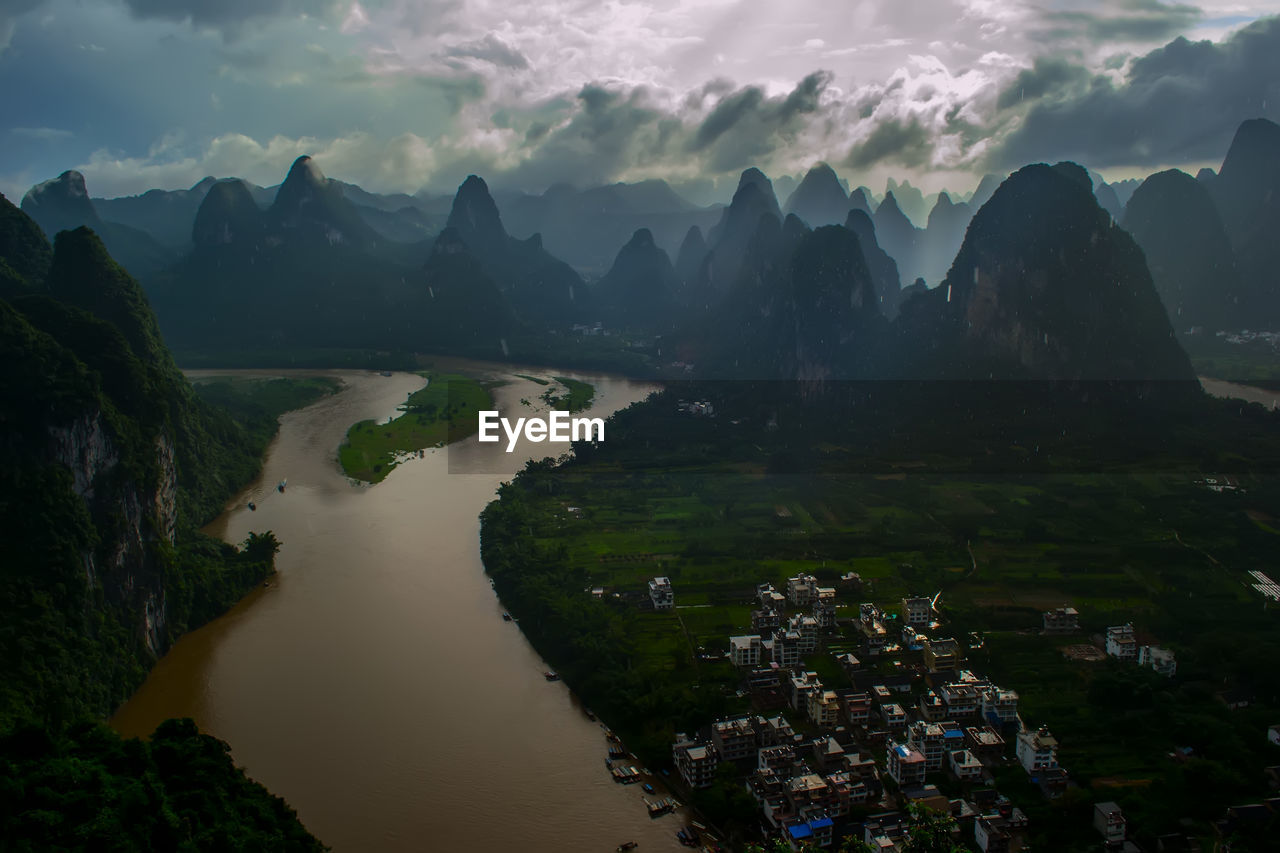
[(800, 830), (821, 823)]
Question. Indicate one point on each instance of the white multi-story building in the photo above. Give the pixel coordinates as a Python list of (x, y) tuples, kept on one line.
[(905, 765), (999, 706), (696, 762), (734, 739), (894, 715), (965, 765), (802, 589), (807, 628), (765, 621), (824, 709), (746, 650), (801, 686), (1063, 620), (824, 607), (1109, 820), (1037, 750), (917, 612), (929, 740), (1121, 642), (785, 648), (961, 700), (1159, 659), (661, 594)]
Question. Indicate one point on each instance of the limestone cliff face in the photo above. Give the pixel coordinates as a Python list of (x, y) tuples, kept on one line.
[(142, 514)]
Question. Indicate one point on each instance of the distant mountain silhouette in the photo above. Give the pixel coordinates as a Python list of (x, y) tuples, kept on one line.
[(693, 251), (860, 200), (25, 254), (819, 199), (882, 268), (1188, 253), (463, 306), (983, 192), (228, 214), (640, 289), (898, 236), (167, 215), (63, 204), (586, 227), (732, 236), (909, 200), (1046, 286), (805, 307), (942, 237), (1109, 201), (541, 289), (310, 206), (1125, 189), (1247, 193)]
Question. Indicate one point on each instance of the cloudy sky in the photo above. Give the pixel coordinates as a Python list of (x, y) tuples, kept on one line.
[(410, 94)]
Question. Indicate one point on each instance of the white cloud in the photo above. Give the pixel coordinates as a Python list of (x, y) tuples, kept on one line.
[(397, 93)]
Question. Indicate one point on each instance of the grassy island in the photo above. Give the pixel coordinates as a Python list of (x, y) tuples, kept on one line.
[(576, 397), (438, 414)]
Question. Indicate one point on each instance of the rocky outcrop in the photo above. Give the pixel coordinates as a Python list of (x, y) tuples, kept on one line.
[(1046, 286)]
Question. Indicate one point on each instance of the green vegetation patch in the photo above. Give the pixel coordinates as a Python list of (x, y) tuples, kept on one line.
[(89, 789), (1152, 545), (257, 399), (443, 412), (576, 397)]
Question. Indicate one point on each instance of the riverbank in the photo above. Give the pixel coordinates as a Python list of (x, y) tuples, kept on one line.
[(373, 684)]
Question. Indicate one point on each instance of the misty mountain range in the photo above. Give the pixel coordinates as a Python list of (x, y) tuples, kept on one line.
[(810, 286)]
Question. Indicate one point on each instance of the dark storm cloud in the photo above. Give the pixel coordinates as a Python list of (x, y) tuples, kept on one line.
[(1179, 103), (490, 49), (905, 143), (1046, 76), (609, 130), (749, 111), (726, 114), (1122, 20)]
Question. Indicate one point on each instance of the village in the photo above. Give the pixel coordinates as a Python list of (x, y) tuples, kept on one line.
[(865, 762)]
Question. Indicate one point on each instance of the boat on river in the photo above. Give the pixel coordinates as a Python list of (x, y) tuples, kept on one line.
[(657, 808), (551, 675), (280, 486), (628, 845)]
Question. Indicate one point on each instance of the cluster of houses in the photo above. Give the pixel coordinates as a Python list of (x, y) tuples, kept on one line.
[(872, 746), (1123, 645), (701, 408)]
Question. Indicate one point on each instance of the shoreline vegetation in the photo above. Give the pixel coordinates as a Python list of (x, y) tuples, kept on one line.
[(443, 412), (577, 395), (178, 788)]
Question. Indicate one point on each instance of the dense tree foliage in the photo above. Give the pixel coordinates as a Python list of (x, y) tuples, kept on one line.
[(88, 789), (109, 463)]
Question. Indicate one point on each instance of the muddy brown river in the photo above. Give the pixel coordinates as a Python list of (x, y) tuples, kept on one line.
[(374, 684)]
